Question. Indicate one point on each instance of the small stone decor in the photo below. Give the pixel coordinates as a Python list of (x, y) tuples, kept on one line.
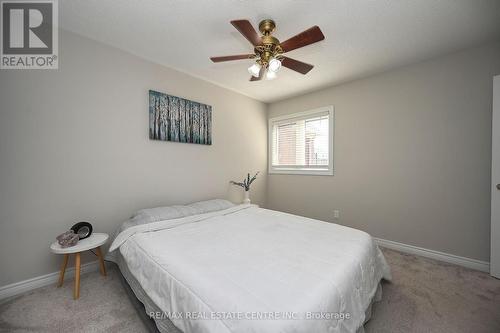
[(67, 239)]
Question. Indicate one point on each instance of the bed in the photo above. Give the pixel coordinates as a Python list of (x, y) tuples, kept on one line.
[(218, 267)]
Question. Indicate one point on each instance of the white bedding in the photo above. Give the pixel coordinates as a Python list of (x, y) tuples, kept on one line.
[(227, 268)]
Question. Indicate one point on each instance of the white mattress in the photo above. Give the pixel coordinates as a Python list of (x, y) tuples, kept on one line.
[(221, 271)]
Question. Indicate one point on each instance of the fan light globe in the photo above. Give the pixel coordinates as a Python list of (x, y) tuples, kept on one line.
[(254, 70), (270, 75), (274, 65)]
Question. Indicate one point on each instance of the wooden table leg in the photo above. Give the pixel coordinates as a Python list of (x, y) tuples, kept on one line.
[(76, 291), (101, 261), (63, 270)]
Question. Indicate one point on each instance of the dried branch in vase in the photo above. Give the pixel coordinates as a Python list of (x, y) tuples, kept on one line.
[(246, 182)]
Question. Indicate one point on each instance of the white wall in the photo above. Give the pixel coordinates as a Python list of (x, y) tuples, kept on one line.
[(412, 154), (74, 146)]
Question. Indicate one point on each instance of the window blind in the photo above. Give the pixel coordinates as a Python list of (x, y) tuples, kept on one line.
[(302, 143)]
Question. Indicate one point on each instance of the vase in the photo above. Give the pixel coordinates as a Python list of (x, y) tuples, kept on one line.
[(247, 198)]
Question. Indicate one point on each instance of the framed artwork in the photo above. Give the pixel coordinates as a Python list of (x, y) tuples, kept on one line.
[(172, 118)]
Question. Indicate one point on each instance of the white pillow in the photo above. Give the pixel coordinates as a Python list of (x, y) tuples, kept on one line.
[(163, 213), (208, 206), (174, 212)]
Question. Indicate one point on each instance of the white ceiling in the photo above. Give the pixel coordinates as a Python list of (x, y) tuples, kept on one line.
[(363, 37)]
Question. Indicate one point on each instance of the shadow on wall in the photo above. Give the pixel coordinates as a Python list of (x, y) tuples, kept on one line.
[(235, 194)]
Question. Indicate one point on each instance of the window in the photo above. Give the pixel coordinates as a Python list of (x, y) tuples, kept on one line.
[(302, 143)]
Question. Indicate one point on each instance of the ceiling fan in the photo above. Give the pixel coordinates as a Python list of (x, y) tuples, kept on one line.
[(268, 51)]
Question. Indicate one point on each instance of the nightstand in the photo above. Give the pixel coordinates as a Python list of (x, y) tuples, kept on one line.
[(93, 242)]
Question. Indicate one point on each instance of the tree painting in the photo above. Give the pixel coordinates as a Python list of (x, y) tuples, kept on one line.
[(177, 119)]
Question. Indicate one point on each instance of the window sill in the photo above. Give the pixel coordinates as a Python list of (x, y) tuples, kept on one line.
[(309, 172)]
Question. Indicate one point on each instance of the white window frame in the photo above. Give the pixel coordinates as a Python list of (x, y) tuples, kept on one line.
[(306, 171)]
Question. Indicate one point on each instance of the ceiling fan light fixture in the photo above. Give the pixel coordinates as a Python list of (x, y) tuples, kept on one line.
[(274, 65), (254, 69), (270, 75), (268, 50)]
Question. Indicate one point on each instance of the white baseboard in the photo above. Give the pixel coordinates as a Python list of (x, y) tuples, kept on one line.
[(17, 288), (441, 256)]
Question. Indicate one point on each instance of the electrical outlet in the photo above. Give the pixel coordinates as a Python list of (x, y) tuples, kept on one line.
[(336, 214)]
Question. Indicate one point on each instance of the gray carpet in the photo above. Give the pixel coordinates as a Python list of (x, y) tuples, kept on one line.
[(431, 296), (425, 296)]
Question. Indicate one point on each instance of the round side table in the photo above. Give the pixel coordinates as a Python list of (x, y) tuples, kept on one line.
[(93, 242)]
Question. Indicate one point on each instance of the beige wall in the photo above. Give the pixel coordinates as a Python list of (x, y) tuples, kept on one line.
[(412, 155), (74, 146)]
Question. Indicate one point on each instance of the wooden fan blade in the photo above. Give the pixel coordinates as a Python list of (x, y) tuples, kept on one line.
[(261, 75), (310, 36), (232, 57), (296, 65), (246, 29)]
